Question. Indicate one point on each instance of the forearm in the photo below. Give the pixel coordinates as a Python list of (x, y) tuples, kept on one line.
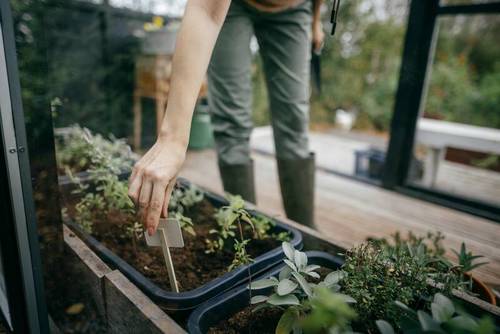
[(317, 11), (197, 36)]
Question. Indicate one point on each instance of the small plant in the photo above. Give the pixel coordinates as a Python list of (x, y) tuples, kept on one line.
[(184, 198), (262, 229), (186, 223), (241, 257), (135, 232), (376, 278), (229, 219), (466, 259), (304, 302), (444, 318)]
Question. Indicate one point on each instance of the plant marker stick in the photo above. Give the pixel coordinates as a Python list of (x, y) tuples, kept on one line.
[(168, 261)]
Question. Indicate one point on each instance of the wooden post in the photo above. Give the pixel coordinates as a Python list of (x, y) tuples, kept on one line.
[(168, 261)]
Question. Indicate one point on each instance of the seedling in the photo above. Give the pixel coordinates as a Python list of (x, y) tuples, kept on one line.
[(168, 234), (466, 259)]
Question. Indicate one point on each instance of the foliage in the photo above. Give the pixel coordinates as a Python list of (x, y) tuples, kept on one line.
[(241, 256), (376, 278), (466, 259), (262, 227), (444, 318), (76, 147), (228, 220), (304, 302)]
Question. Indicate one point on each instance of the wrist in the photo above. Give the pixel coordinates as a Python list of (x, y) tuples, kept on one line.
[(173, 139)]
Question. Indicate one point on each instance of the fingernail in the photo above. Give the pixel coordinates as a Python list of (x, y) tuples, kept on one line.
[(151, 231)]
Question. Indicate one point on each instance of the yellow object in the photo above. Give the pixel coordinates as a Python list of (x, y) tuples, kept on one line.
[(156, 24)]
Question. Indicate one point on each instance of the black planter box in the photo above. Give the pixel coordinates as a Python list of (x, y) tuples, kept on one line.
[(188, 300), (224, 306)]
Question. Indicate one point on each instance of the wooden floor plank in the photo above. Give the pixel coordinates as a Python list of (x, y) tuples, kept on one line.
[(348, 211)]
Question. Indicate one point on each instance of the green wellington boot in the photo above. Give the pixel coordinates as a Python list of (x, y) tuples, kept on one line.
[(297, 188), (239, 180)]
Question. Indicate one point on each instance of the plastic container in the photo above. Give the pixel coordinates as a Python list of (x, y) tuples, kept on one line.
[(224, 306), (187, 300), (201, 135)]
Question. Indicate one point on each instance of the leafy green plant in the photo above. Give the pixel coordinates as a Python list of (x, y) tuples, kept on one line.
[(466, 259), (76, 145), (444, 318), (241, 257), (375, 278), (302, 301), (228, 220), (262, 227)]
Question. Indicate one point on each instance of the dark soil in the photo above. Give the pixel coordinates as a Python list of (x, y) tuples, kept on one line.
[(246, 321), (193, 266)]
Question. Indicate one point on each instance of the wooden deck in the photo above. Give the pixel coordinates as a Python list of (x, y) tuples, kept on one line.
[(348, 211)]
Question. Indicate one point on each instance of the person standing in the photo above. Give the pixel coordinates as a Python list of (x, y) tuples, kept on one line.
[(284, 30)]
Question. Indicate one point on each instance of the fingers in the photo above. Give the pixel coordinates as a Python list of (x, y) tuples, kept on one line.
[(155, 207), (144, 198), (168, 194), (134, 188)]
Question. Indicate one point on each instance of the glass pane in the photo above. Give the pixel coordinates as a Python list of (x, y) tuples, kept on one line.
[(458, 137)]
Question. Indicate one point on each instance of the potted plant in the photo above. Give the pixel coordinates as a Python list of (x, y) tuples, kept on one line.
[(281, 300)]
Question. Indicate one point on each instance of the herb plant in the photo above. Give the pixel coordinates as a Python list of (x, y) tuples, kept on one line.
[(304, 302), (444, 318)]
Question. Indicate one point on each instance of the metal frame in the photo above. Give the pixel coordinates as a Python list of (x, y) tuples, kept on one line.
[(19, 238), (418, 53)]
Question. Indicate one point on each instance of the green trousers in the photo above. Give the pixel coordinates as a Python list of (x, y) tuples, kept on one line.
[(285, 47)]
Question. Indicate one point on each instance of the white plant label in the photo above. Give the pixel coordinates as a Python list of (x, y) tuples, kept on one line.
[(168, 234), (173, 233)]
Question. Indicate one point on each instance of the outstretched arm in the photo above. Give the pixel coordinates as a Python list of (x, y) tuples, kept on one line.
[(153, 176)]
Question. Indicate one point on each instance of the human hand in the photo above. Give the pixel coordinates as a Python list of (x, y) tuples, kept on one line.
[(152, 181), (318, 36)]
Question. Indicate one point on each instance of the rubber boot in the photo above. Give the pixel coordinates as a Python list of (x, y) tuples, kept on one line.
[(239, 180), (297, 188)]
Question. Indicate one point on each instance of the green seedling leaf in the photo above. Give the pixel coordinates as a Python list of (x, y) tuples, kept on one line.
[(263, 283), (258, 299), (288, 250), (287, 321), (277, 300), (285, 287), (384, 327), (300, 259), (303, 283)]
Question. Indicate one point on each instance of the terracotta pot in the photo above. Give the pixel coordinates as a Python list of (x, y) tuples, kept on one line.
[(481, 289)]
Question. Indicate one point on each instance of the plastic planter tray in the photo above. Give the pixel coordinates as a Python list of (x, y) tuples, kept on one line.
[(188, 300), (224, 306)]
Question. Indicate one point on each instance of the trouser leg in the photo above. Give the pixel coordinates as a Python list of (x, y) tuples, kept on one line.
[(285, 42), (230, 101)]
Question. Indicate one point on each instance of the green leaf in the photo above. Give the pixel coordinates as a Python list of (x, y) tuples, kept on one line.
[(384, 327), (263, 283), (258, 299), (300, 259), (427, 323), (313, 274), (303, 283), (311, 267), (442, 308), (285, 287), (287, 321), (288, 250), (285, 272), (290, 264), (333, 278), (276, 300), (462, 323)]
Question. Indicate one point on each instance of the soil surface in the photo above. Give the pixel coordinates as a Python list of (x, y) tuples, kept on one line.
[(246, 322), (193, 266)]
